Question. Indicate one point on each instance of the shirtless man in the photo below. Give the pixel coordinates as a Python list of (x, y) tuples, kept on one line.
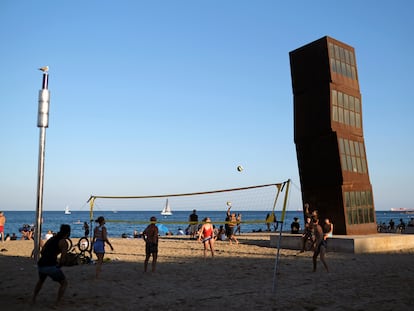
[(320, 245)]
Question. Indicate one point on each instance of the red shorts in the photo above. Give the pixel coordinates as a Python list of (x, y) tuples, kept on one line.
[(1, 228)]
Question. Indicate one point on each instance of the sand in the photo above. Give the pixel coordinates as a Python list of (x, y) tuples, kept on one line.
[(240, 277)]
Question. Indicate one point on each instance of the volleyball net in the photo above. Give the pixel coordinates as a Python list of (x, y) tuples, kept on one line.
[(268, 197)]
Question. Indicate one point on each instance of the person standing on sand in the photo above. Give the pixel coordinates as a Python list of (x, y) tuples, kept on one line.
[(307, 233), (2, 223), (207, 234), (238, 228), (150, 236), (100, 237), (193, 223), (232, 222), (271, 219), (86, 228), (320, 245), (47, 264)]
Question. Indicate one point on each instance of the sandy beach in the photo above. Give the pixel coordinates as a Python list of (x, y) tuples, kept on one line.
[(239, 277)]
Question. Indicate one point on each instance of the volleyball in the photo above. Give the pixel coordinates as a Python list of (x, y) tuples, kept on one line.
[(240, 168), (228, 203)]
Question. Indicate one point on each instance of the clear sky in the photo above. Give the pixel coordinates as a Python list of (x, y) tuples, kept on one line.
[(159, 97)]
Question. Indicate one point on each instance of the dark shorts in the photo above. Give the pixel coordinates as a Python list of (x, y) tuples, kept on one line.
[(230, 231), (53, 272), (151, 248)]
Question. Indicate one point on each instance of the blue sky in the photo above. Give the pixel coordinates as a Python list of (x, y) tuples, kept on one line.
[(158, 97)]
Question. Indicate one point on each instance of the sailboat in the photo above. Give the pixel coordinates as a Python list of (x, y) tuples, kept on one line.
[(67, 210), (166, 211)]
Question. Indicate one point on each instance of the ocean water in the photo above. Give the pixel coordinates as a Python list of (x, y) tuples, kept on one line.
[(125, 222)]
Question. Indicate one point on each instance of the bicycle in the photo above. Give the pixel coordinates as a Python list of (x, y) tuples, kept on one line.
[(84, 256)]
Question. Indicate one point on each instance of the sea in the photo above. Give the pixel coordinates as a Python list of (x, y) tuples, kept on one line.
[(124, 223)]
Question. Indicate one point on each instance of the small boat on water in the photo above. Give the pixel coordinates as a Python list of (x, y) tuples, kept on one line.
[(67, 210), (403, 210), (166, 211)]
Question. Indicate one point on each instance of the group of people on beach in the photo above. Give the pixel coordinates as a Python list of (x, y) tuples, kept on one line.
[(207, 233), (318, 234), (50, 266), (57, 244), (7, 237)]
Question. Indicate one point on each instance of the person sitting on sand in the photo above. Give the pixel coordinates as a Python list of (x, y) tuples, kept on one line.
[(221, 234), (295, 226), (49, 234), (26, 232)]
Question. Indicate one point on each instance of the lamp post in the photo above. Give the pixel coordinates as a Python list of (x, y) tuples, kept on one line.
[(42, 124)]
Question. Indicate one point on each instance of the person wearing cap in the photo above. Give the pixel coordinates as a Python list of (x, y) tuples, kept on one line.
[(100, 237), (150, 235), (48, 264)]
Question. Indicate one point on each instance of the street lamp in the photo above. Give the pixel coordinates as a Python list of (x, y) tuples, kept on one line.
[(42, 123)]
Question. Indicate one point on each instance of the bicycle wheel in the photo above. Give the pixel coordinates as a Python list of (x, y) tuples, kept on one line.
[(83, 244), (69, 243)]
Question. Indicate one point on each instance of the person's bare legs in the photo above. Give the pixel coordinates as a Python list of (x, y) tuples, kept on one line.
[(61, 291), (146, 262), (154, 261), (314, 258), (233, 237), (37, 289), (323, 252), (99, 265), (211, 242)]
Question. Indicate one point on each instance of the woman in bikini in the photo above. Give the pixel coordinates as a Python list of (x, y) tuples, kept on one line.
[(206, 234)]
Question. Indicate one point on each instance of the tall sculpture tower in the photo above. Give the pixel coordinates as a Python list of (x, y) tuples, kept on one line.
[(329, 137)]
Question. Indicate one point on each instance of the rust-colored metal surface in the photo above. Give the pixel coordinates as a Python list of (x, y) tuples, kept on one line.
[(329, 137)]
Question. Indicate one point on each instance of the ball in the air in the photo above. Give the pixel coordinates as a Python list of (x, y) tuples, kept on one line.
[(240, 168)]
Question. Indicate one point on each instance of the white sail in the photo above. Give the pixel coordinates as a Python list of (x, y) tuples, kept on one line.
[(166, 211), (67, 210)]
